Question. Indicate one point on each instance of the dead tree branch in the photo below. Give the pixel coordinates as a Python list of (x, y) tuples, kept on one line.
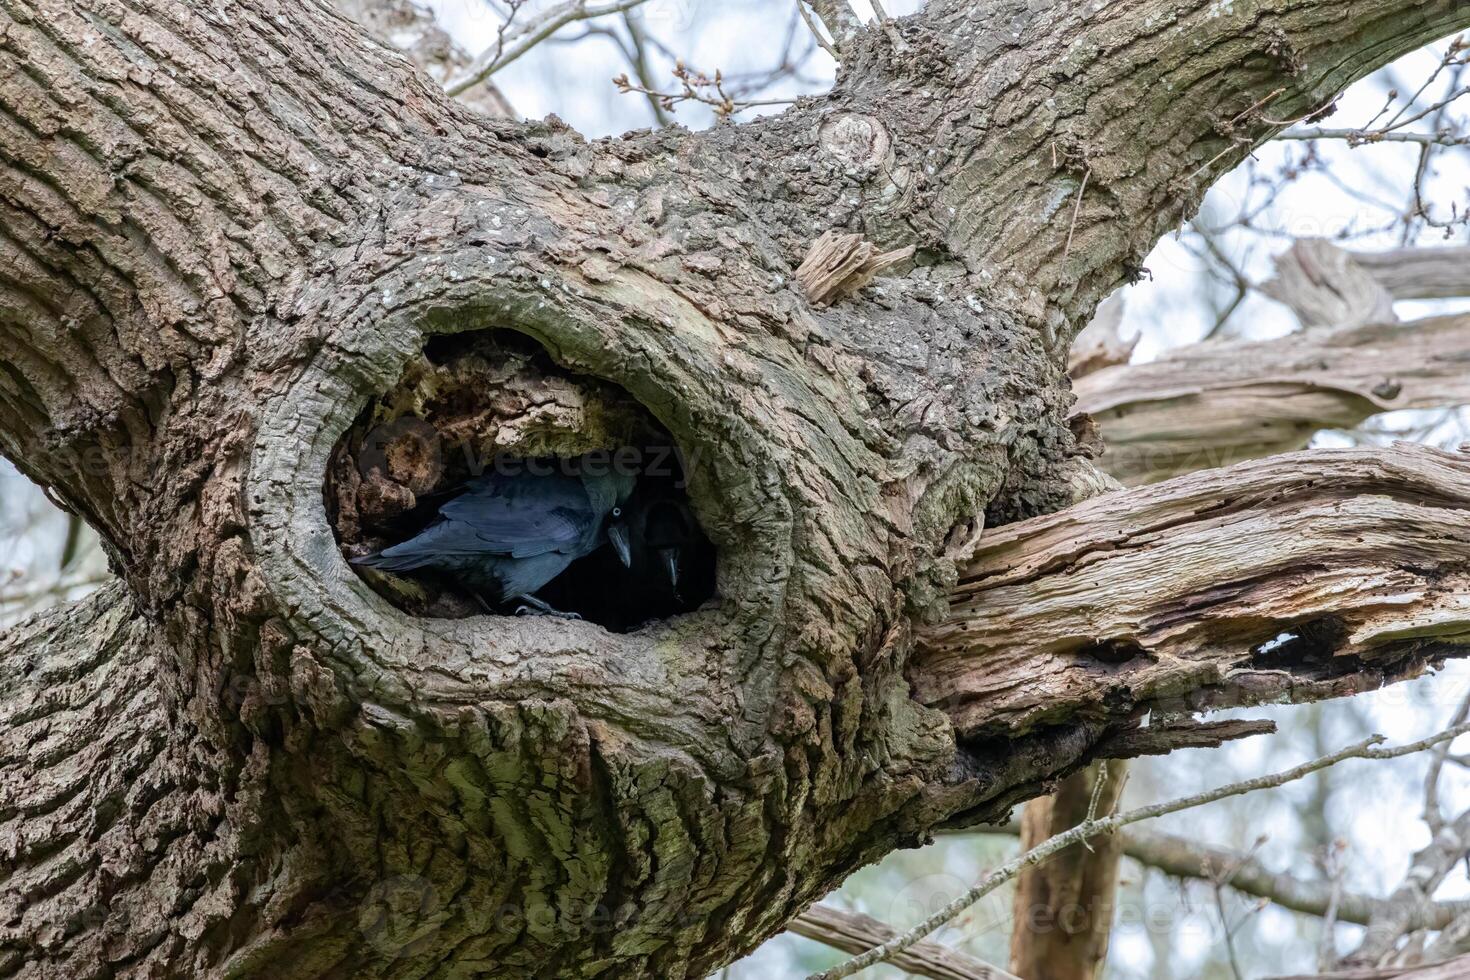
[(1289, 576), (1184, 857), (1440, 272), (1219, 402), (853, 932)]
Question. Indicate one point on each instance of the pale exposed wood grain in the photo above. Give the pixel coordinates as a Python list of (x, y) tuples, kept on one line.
[(1298, 576)]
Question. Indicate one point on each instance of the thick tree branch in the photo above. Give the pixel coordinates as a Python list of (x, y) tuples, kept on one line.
[(1221, 402), (1185, 857), (111, 815), (1304, 575), (1144, 103)]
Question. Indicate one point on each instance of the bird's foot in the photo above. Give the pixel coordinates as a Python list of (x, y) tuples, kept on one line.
[(533, 606)]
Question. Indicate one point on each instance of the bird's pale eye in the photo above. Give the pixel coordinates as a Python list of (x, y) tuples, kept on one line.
[(617, 512)]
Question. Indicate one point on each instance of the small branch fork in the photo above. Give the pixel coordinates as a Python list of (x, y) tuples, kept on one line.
[(512, 40), (695, 87), (1369, 748)]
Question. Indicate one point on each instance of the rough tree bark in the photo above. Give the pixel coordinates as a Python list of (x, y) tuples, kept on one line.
[(225, 227)]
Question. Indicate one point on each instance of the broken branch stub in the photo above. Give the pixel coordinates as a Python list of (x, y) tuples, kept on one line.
[(838, 266)]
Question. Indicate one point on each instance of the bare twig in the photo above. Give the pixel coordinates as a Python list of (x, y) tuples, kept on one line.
[(1357, 137), (511, 44), (1368, 748), (638, 58), (838, 17), (696, 87), (1228, 932), (826, 45)]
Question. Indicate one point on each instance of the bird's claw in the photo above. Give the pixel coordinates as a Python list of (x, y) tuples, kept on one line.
[(533, 611)]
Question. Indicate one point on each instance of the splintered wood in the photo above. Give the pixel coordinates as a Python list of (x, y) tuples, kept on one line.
[(839, 265)]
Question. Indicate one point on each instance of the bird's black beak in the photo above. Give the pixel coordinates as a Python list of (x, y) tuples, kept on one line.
[(618, 535), (670, 559)]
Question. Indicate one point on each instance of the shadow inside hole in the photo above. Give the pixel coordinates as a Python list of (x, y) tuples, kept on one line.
[(494, 402), (672, 570)]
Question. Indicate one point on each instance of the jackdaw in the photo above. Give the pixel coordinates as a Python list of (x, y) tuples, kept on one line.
[(509, 534)]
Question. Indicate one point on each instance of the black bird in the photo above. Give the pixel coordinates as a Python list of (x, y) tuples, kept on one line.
[(663, 532), (508, 535)]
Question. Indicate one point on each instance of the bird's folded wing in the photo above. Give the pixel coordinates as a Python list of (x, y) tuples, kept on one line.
[(519, 518), (526, 532)]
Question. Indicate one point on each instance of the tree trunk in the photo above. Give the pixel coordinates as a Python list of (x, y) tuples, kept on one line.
[(225, 228), (1064, 906)]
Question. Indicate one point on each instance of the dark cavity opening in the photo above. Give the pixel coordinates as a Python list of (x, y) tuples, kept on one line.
[(1311, 644), (489, 467)]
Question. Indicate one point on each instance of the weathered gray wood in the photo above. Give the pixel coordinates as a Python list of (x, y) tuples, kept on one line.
[(1429, 272), (1101, 343), (1223, 401), (854, 932), (1326, 287), (1304, 575)]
